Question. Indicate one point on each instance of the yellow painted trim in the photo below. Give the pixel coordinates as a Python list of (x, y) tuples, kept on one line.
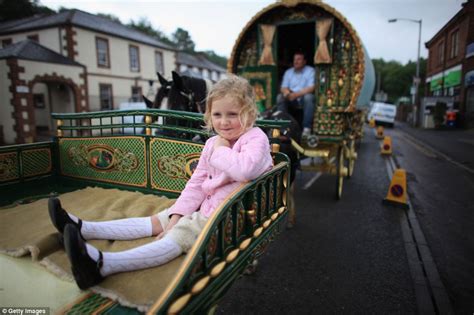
[(232, 255), (274, 216), (281, 210), (68, 306), (179, 304), (245, 243), (201, 284), (267, 223), (103, 307), (217, 269), (257, 232)]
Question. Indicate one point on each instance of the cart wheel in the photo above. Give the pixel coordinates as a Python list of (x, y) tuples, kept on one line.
[(350, 161), (340, 175)]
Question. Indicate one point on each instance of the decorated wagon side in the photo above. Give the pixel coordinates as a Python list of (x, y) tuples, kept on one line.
[(103, 161), (344, 76)]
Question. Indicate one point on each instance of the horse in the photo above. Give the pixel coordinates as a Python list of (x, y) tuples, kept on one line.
[(183, 93), (161, 97)]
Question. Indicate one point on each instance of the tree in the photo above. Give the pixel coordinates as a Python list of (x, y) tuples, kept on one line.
[(215, 58), (17, 9), (111, 17), (183, 40), (144, 25), (397, 79)]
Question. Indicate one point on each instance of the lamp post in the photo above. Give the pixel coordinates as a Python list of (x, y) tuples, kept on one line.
[(416, 80)]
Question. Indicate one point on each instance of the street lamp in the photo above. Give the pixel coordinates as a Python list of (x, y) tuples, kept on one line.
[(416, 80)]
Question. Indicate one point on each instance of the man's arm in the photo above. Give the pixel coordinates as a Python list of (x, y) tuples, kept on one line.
[(285, 91)]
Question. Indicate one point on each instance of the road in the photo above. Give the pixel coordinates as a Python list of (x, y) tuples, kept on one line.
[(352, 256)]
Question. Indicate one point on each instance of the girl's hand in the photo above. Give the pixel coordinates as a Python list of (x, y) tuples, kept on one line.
[(221, 142), (173, 220)]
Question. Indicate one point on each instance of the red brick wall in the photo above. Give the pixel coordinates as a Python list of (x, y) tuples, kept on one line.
[(70, 42), (22, 136)]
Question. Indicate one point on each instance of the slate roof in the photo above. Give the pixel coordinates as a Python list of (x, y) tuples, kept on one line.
[(31, 50), (197, 60), (80, 19)]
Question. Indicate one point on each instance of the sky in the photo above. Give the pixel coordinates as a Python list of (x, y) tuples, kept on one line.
[(216, 24)]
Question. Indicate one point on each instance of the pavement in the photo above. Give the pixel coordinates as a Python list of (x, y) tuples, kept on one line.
[(456, 144)]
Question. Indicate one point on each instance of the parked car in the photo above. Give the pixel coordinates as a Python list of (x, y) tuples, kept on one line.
[(383, 113)]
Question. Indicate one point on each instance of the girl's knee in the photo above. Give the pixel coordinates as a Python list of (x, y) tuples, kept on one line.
[(156, 227)]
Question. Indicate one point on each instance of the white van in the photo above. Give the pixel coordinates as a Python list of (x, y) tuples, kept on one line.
[(383, 113)]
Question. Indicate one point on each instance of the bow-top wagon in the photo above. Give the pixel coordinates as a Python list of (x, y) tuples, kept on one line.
[(344, 76)]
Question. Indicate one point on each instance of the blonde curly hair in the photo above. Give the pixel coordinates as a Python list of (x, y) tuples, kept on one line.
[(240, 90)]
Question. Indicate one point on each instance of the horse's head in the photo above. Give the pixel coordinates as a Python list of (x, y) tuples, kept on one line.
[(187, 94), (163, 92)]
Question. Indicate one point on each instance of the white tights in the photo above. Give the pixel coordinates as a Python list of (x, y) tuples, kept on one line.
[(149, 255), (123, 229)]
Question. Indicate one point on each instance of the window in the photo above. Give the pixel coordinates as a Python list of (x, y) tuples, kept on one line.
[(159, 62), (106, 97), (134, 58), (34, 37), (6, 42), (440, 53), (454, 44), (183, 68), (159, 67), (137, 94), (205, 74), (102, 47), (38, 101)]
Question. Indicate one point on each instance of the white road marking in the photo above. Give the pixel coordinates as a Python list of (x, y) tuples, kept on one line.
[(316, 176)]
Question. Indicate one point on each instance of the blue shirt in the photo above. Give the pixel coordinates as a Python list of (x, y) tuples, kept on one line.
[(297, 81)]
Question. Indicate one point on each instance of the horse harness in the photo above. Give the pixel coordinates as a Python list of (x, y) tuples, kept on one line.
[(190, 97)]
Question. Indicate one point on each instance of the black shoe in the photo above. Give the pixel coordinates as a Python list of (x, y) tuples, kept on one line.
[(86, 271), (59, 216)]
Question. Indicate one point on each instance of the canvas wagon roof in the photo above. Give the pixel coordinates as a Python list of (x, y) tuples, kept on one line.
[(81, 19), (31, 50), (366, 67), (289, 4)]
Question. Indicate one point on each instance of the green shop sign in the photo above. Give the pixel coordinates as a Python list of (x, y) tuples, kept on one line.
[(451, 77)]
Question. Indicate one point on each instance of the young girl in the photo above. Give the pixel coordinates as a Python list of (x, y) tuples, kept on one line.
[(238, 153)]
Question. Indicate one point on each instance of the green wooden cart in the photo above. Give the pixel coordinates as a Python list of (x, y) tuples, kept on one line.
[(127, 150)]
